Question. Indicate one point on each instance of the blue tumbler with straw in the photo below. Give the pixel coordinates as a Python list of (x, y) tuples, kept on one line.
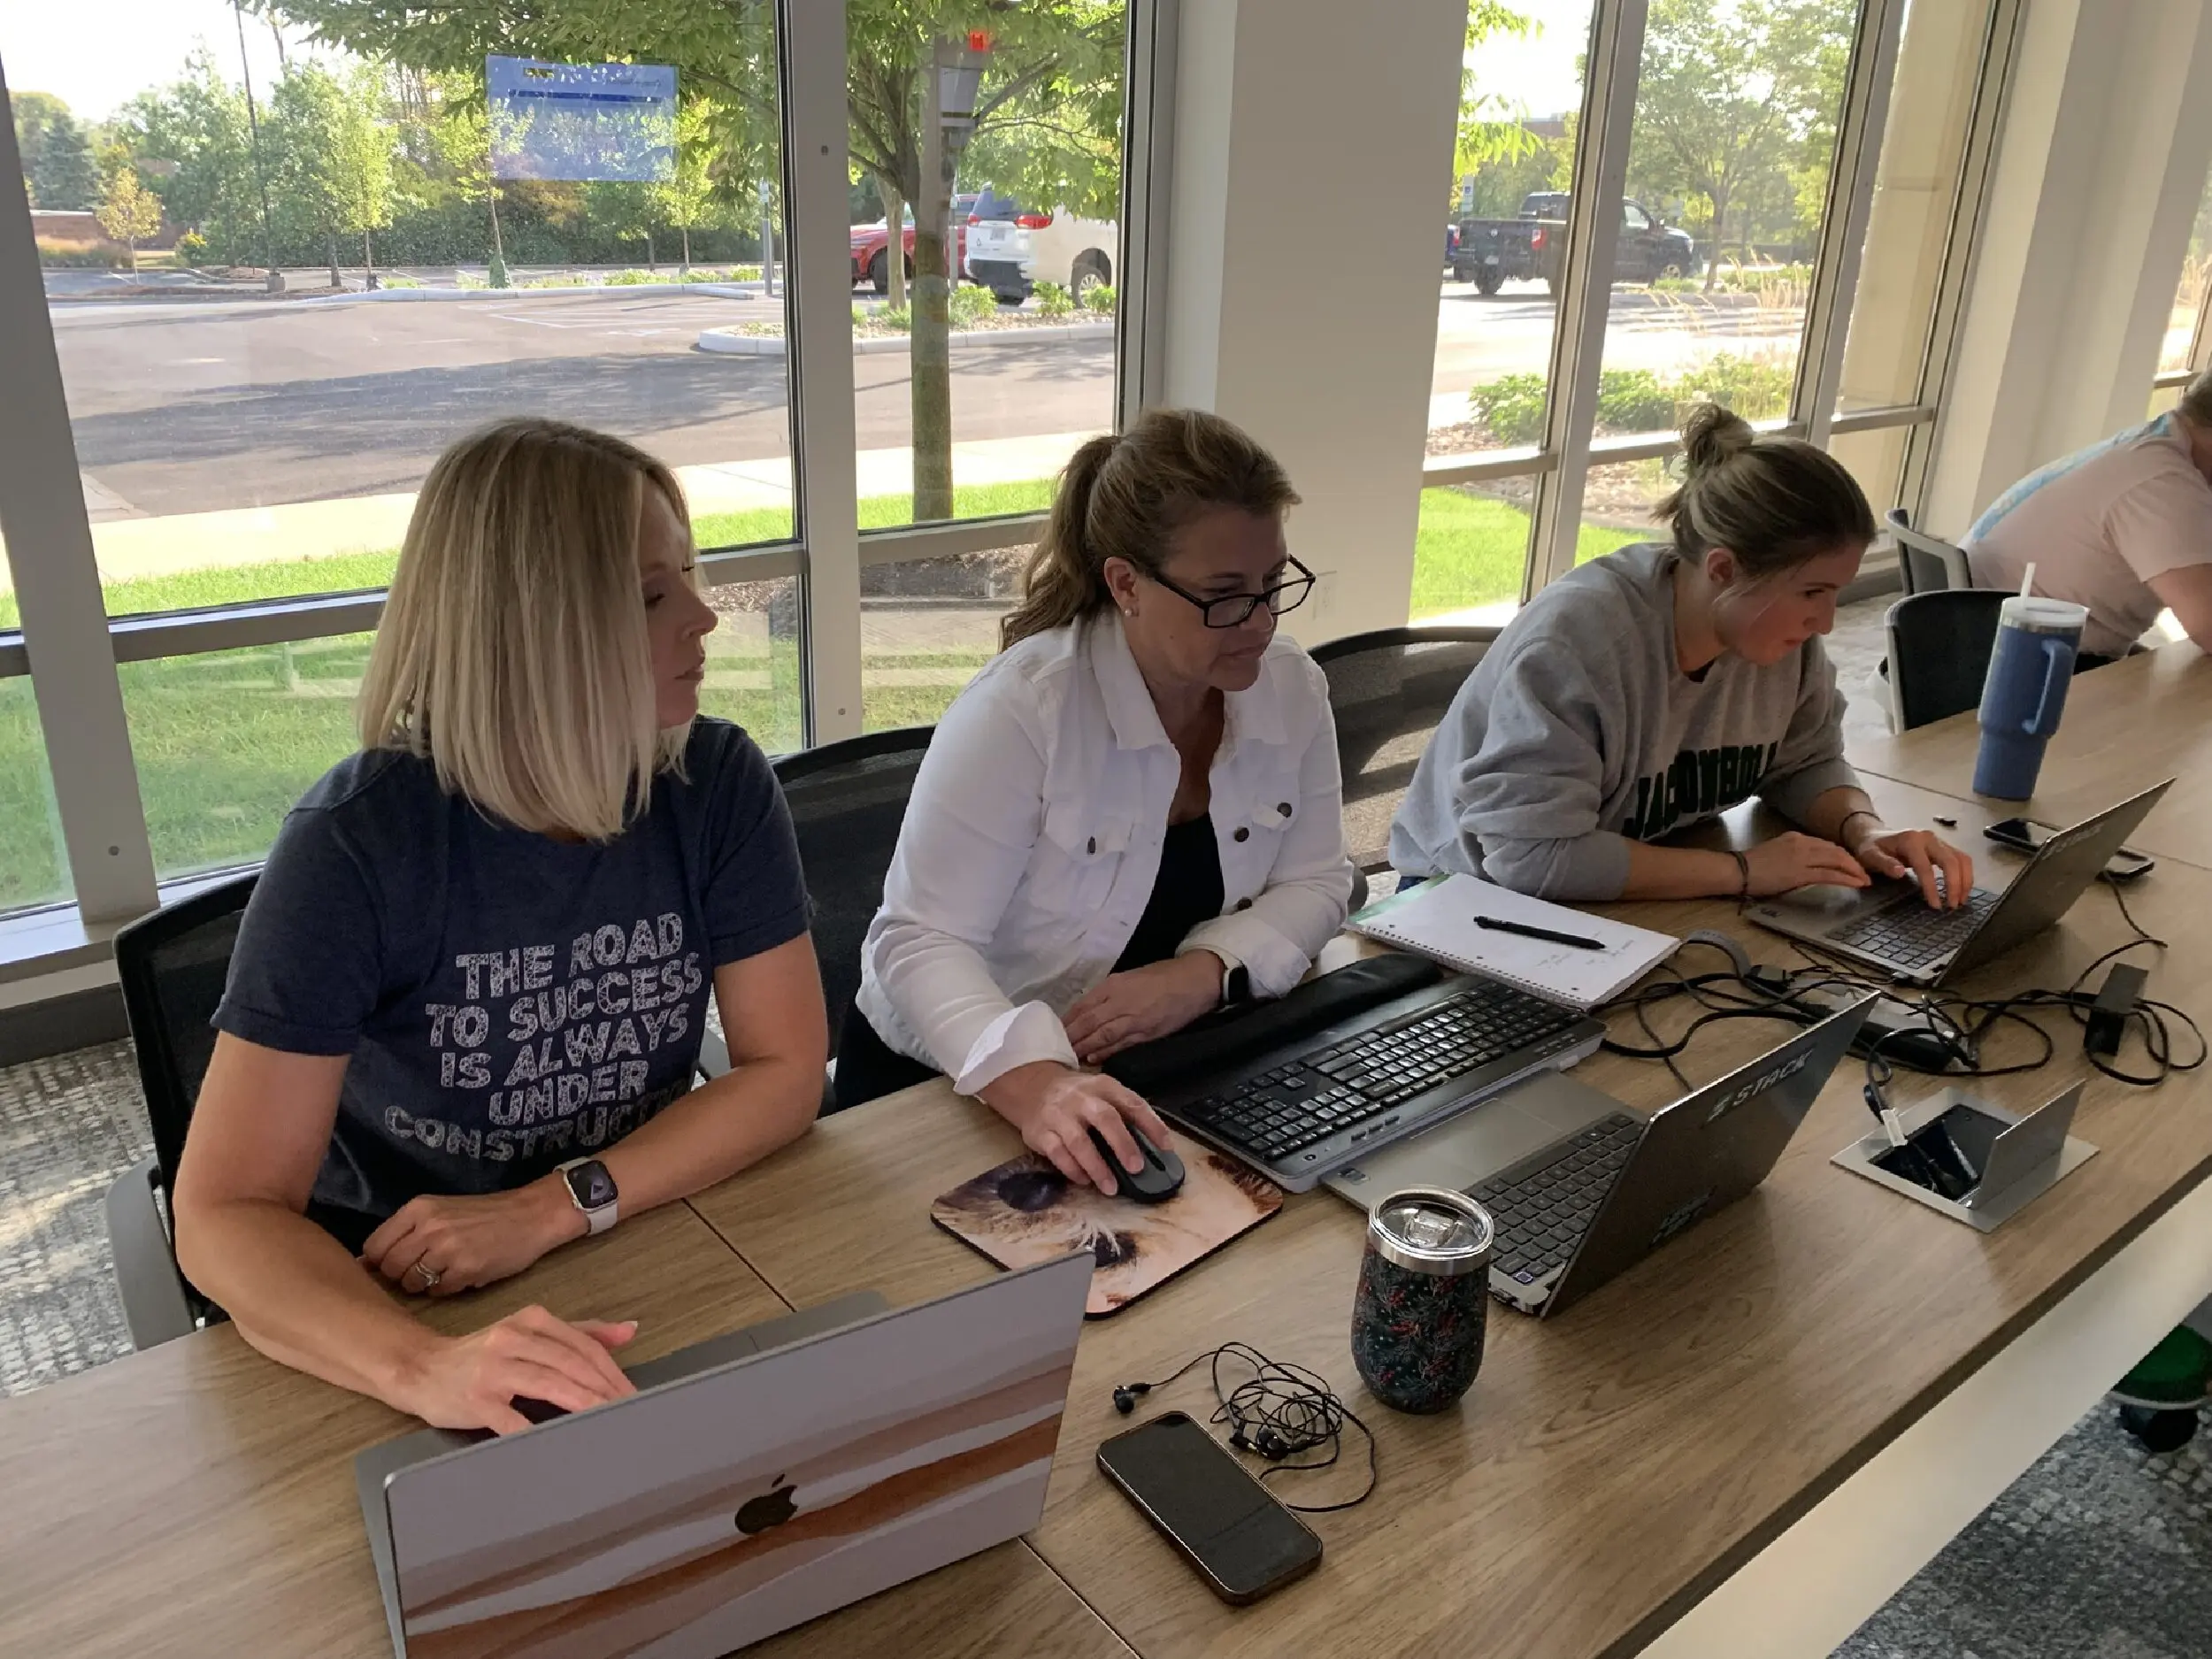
[(2030, 668)]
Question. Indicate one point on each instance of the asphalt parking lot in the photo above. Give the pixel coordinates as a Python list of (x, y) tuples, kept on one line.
[(184, 405)]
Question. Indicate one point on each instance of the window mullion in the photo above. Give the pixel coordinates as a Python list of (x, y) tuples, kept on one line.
[(1600, 174), (57, 585), (816, 183), (1859, 131)]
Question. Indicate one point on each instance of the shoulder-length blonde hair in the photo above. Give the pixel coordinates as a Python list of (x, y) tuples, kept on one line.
[(512, 653)]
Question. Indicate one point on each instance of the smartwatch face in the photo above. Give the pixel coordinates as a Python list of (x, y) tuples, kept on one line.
[(593, 1187)]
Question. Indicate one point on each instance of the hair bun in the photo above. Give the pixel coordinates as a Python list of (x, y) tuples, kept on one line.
[(1710, 435)]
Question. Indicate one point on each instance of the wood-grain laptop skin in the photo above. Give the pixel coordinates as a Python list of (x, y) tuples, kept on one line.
[(717, 1511)]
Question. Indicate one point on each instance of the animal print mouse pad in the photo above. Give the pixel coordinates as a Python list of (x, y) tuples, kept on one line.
[(1025, 1211)]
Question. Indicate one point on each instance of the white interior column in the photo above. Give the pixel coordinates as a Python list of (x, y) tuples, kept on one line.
[(1310, 185), (2106, 136)]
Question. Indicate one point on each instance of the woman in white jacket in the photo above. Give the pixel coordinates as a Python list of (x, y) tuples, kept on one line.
[(1133, 814)]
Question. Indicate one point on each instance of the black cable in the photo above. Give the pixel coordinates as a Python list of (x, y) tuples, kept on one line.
[(1279, 1411), (1961, 1024)]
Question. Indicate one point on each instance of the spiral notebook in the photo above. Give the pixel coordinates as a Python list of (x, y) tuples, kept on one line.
[(1437, 919)]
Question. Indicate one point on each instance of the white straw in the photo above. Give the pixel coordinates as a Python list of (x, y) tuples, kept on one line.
[(2027, 580)]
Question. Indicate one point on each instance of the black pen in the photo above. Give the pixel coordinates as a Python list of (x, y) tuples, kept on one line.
[(1491, 923)]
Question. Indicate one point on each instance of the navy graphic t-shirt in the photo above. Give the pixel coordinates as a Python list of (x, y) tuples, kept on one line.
[(509, 1002)]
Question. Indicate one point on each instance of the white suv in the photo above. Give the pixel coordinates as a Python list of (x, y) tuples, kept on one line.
[(1012, 249)]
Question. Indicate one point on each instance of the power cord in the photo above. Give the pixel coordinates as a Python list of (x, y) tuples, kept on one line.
[(1959, 1025), (1277, 1411)]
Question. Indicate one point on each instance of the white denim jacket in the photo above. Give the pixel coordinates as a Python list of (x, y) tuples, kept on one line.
[(1033, 836)]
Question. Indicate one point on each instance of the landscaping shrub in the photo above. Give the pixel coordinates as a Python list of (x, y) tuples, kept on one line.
[(1102, 298), (969, 305), (1635, 400), (1054, 300), (1512, 406)]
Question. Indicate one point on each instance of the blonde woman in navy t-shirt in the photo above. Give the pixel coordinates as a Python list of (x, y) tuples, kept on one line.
[(465, 1008)]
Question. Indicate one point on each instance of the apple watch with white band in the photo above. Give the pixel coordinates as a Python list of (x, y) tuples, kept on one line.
[(592, 1190)]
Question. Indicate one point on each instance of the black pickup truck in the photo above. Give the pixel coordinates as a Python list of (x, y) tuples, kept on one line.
[(1491, 252)]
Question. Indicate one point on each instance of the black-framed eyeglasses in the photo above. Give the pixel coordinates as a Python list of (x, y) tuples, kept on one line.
[(1232, 611)]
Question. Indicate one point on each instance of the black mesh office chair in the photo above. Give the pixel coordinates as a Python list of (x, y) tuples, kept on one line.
[(1938, 652), (848, 801), (1927, 564), (1388, 690), (171, 967)]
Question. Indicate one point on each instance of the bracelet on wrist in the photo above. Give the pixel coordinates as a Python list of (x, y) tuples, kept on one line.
[(1843, 830), (1743, 877)]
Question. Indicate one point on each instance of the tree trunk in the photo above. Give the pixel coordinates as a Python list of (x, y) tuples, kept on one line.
[(930, 347), (651, 263), (498, 274), (686, 267), (368, 260), (132, 243), (1720, 223), (894, 250), (330, 250)]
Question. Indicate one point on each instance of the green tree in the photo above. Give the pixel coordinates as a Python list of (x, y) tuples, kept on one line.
[(364, 162), (629, 209), (57, 153), (685, 197), (197, 125), (1491, 129), (1053, 70), (1732, 95), (329, 158), (129, 211)]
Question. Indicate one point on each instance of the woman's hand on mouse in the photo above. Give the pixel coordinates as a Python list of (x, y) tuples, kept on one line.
[(1125, 1009), (1056, 1110)]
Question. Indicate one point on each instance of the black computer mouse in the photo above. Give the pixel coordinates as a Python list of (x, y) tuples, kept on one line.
[(1161, 1178)]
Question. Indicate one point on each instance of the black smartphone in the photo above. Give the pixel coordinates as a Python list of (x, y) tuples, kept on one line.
[(2020, 834), (1243, 1542)]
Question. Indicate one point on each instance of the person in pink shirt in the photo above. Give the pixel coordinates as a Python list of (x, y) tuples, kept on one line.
[(2124, 527)]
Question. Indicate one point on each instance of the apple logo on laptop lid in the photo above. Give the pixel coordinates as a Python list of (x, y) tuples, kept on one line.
[(768, 1509)]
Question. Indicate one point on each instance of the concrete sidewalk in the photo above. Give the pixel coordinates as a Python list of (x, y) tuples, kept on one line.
[(129, 547)]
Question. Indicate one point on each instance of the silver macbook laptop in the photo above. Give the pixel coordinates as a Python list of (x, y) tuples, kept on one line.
[(1607, 1188), (1890, 927), (754, 1482)]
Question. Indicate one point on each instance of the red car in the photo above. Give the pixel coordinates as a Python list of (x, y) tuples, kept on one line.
[(872, 242)]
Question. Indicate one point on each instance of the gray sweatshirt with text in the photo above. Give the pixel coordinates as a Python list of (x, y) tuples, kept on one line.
[(1578, 732)]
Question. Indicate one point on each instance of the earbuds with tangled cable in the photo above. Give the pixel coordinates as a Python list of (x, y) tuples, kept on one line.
[(1277, 1412)]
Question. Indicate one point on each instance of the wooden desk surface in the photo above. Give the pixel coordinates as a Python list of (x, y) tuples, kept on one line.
[(199, 1499), (2126, 726), (1607, 1468)]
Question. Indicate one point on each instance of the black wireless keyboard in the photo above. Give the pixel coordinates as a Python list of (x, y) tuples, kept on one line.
[(1911, 935), (1354, 1084), (1542, 1206)]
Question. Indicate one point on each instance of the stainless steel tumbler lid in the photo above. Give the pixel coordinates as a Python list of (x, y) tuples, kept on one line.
[(1431, 1230)]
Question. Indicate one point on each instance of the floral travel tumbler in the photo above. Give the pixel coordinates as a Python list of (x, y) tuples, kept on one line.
[(1423, 1298)]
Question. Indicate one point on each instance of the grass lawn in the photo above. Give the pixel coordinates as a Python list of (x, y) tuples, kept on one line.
[(226, 741), (1468, 551)]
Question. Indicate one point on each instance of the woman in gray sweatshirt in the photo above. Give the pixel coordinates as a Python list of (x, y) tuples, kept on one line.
[(1663, 684)]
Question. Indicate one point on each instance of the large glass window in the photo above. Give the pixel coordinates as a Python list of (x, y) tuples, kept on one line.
[(1521, 92), (983, 341), (293, 252), (927, 627), (32, 867), (1729, 158), (753, 661), (2182, 322), (226, 741)]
